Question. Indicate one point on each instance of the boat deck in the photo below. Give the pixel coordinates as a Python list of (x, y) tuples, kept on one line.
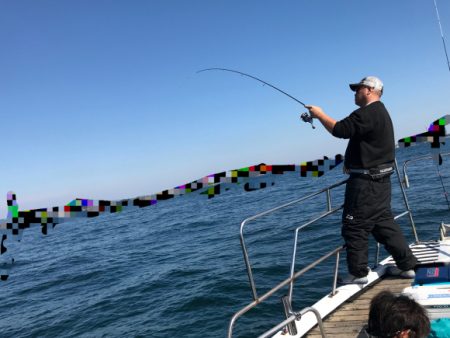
[(349, 319)]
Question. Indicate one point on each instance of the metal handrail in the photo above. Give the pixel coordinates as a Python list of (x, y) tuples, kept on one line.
[(294, 275), (405, 199), (247, 220), (425, 157), (294, 254)]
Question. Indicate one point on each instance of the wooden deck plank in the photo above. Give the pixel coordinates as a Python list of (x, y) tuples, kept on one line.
[(348, 320)]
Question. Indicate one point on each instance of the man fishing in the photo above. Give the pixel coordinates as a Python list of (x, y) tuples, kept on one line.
[(369, 160)]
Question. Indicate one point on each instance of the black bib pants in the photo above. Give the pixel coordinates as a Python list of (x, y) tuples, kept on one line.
[(367, 210)]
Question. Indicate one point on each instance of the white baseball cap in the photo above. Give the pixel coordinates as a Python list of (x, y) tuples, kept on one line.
[(368, 81)]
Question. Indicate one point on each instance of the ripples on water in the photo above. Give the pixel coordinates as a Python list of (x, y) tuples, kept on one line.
[(176, 269)]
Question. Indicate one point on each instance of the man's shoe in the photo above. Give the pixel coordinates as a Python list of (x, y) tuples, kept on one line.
[(350, 279), (394, 271)]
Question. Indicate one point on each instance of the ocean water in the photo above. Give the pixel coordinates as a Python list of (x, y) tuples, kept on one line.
[(176, 269)]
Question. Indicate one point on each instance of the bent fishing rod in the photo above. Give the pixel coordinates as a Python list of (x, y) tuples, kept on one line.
[(305, 116)]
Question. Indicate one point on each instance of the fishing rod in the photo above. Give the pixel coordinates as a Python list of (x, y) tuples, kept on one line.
[(442, 34), (305, 116)]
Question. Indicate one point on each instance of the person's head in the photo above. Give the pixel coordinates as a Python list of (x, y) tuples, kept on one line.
[(392, 316), (368, 90)]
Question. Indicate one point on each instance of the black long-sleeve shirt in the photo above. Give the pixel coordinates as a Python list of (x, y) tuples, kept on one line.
[(371, 137)]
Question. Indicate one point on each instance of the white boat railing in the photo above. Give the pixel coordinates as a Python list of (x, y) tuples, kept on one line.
[(291, 316)]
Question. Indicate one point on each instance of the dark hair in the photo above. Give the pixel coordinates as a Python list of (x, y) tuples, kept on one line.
[(390, 314)]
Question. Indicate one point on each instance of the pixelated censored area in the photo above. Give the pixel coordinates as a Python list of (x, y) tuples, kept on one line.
[(17, 221), (435, 135)]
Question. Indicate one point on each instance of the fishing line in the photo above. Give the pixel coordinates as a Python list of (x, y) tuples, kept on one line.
[(443, 186), (442, 33), (305, 116)]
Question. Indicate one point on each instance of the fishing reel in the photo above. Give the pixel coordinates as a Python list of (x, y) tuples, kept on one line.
[(308, 119)]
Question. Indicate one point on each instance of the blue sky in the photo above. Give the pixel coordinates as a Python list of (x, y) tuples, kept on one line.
[(100, 99)]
